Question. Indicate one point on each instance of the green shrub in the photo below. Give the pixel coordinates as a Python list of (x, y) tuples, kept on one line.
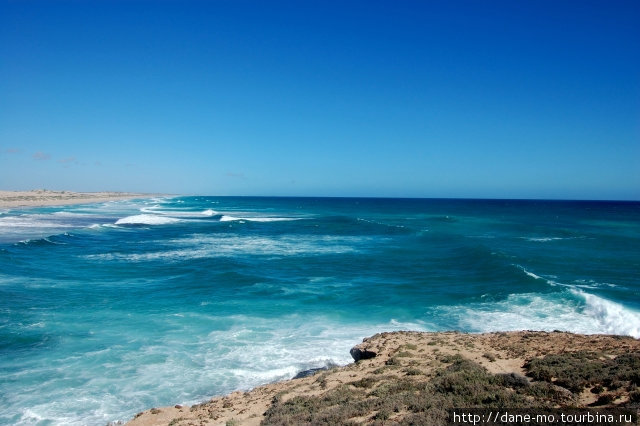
[(513, 380), (460, 383), (575, 371), (605, 399), (413, 372), (393, 361), (366, 382), (491, 357)]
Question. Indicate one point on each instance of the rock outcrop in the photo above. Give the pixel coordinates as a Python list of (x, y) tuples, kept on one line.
[(358, 353)]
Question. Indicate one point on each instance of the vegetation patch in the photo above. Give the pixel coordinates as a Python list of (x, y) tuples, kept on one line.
[(514, 380), (407, 400), (393, 361), (413, 371), (366, 382), (491, 357), (412, 399), (578, 370)]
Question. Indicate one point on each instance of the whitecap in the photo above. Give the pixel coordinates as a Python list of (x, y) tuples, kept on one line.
[(153, 209), (374, 222), (39, 240), (534, 276), (31, 221), (67, 214), (542, 239), (227, 218), (178, 213), (571, 310), (146, 219), (225, 245), (613, 317), (103, 226)]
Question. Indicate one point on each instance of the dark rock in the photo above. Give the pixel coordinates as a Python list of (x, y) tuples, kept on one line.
[(310, 372), (358, 354)]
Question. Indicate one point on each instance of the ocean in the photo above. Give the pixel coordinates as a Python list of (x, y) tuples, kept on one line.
[(108, 309)]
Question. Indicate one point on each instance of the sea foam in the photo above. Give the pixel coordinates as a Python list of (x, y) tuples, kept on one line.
[(612, 317), (228, 245), (569, 310), (178, 212), (146, 219)]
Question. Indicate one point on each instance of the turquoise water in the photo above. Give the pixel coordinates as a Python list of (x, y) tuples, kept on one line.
[(108, 309)]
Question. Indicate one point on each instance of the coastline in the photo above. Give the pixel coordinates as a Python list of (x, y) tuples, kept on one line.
[(43, 197), (328, 263), (396, 377)]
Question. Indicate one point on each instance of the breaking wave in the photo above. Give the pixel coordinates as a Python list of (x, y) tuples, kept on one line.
[(146, 219)]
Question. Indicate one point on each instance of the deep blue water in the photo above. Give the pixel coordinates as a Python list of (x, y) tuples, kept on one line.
[(108, 309)]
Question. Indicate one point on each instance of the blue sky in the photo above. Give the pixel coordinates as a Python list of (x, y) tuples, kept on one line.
[(322, 98)]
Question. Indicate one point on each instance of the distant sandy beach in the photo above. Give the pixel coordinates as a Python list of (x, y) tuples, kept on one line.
[(43, 197)]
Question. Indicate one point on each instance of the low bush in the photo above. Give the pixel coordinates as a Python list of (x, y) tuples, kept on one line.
[(412, 399), (578, 370)]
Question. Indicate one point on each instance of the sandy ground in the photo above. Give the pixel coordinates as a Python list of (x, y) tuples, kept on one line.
[(43, 197), (497, 352)]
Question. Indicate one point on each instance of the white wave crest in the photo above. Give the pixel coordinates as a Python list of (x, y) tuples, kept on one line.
[(538, 277), (102, 226), (612, 317), (571, 310), (155, 210), (225, 245), (152, 209), (67, 214), (227, 218), (146, 219), (31, 221), (532, 275)]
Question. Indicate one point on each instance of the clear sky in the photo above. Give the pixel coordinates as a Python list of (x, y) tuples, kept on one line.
[(497, 99)]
